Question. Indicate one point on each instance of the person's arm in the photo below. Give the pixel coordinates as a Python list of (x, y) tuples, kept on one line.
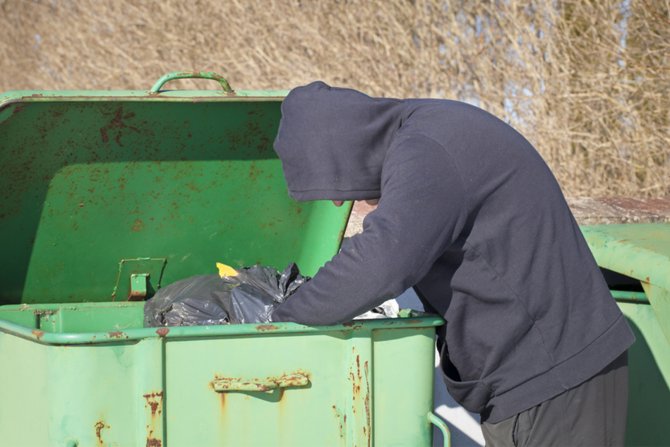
[(421, 212)]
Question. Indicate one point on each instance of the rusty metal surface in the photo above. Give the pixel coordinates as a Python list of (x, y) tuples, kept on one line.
[(296, 379), (154, 405), (91, 185), (361, 394), (99, 426)]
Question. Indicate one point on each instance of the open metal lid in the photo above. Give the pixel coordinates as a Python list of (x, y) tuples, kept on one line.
[(106, 195)]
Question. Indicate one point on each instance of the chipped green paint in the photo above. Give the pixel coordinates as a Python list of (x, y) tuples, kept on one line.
[(163, 384)]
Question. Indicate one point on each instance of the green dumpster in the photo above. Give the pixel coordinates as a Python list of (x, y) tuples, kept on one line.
[(635, 259), (106, 196)]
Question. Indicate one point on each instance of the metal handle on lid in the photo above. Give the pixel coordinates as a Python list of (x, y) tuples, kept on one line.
[(192, 75)]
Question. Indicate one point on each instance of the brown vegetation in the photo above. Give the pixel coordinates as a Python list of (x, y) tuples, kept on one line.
[(587, 81)]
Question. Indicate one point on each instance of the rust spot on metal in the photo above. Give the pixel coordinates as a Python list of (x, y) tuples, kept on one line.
[(138, 226), (266, 327), (162, 331), (99, 426), (341, 421), (293, 380), (271, 383), (355, 386), (367, 400), (38, 334), (155, 402), (117, 334), (254, 171), (117, 123), (18, 109), (136, 296), (348, 324)]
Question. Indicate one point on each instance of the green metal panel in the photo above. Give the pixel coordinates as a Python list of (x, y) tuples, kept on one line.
[(642, 252), (97, 188), (98, 378), (649, 378)]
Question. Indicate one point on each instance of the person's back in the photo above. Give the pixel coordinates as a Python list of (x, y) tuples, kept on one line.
[(472, 218)]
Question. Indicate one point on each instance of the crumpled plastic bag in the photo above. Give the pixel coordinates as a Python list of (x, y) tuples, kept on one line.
[(198, 300), (258, 290), (247, 295)]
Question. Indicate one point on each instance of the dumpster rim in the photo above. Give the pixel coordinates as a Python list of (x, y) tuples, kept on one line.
[(137, 334), (606, 241), (37, 96)]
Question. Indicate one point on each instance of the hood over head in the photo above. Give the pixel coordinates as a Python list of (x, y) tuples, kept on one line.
[(332, 142)]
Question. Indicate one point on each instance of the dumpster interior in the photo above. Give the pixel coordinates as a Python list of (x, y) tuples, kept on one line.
[(109, 200)]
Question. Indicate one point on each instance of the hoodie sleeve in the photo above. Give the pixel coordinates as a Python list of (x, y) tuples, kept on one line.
[(421, 212)]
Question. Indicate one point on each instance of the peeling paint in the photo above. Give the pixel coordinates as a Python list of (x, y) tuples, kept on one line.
[(38, 334), (155, 402)]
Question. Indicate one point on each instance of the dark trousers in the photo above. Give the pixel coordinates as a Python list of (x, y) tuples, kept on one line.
[(592, 414)]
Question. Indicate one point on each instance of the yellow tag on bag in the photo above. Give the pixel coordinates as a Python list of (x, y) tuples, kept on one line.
[(225, 270)]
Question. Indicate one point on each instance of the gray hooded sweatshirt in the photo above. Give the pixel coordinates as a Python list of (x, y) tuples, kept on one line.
[(471, 217)]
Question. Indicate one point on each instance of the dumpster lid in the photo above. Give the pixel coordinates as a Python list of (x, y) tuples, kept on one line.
[(110, 195), (640, 251)]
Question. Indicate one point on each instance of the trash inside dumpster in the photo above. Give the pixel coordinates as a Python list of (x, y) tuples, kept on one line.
[(107, 197), (247, 295), (198, 300)]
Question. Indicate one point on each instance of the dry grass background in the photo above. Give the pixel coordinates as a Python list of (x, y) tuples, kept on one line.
[(587, 81)]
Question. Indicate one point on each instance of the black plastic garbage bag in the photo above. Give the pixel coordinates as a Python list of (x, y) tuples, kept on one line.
[(249, 297), (198, 300), (260, 290)]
